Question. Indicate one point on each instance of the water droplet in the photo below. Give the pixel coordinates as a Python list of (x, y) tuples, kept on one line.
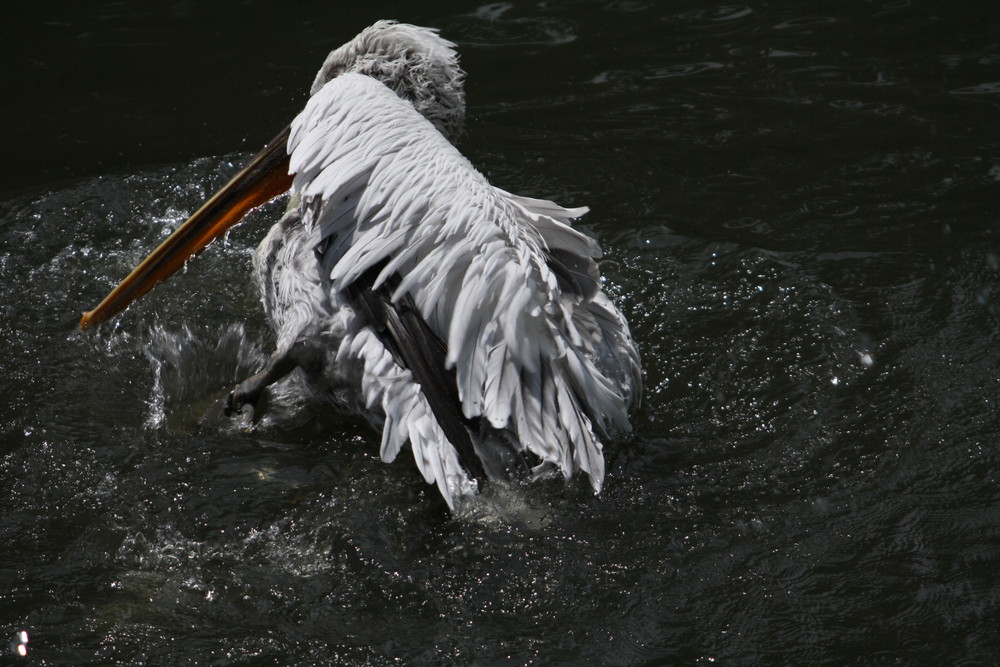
[(20, 643)]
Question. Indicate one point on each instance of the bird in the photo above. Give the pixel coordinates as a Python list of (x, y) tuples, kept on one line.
[(462, 320)]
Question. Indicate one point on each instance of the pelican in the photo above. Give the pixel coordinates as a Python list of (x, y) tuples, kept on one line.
[(463, 320)]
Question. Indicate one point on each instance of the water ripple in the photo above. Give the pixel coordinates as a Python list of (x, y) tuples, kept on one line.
[(796, 204), (491, 25)]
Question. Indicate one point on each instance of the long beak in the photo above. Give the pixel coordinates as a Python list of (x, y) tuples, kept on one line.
[(264, 178)]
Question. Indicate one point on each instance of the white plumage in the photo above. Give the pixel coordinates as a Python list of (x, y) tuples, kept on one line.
[(409, 289), (376, 184)]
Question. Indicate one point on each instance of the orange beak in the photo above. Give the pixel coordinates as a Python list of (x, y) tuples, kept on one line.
[(263, 179)]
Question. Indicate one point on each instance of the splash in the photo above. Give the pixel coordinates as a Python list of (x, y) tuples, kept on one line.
[(193, 368)]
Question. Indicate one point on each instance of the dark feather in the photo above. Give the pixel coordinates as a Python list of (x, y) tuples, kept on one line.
[(415, 347)]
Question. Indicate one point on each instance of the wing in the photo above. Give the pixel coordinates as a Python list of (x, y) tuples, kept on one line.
[(537, 349)]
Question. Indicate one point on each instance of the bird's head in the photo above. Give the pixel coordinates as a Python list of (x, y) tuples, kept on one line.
[(415, 63)]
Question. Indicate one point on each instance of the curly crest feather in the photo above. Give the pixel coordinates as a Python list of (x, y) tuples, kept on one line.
[(414, 62)]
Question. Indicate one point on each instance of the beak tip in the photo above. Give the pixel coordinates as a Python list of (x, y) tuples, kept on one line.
[(87, 321)]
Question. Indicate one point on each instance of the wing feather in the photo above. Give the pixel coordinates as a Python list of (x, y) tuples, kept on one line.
[(538, 350)]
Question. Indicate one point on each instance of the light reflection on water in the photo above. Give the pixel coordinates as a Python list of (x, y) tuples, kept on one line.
[(802, 236)]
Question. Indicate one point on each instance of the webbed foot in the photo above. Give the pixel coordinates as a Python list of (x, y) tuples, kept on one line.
[(242, 400), (243, 404)]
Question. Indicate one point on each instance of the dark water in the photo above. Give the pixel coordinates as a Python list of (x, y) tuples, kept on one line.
[(799, 203)]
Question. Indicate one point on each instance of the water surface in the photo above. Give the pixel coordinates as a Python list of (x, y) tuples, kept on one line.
[(798, 204)]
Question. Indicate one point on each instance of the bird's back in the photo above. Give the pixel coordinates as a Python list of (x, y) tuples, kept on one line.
[(536, 353)]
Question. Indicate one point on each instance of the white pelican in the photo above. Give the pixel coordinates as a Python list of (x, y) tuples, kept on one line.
[(457, 317)]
